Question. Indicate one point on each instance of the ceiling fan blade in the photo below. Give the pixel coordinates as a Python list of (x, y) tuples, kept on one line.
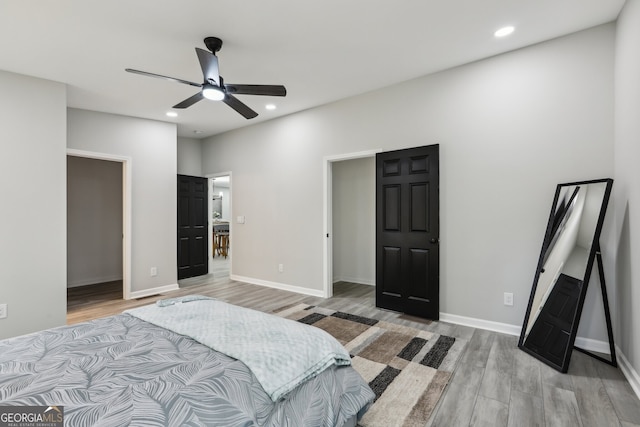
[(209, 65), (160, 76), (190, 101), (240, 107), (269, 90)]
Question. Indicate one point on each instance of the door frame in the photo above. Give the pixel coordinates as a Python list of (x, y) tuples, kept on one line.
[(210, 216), (327, 209), (126, 209)]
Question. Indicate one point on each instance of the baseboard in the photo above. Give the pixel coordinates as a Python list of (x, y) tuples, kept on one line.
[(503, 328), (276, 285), (94, 281), (628, 371), (593, 345), (153, 291), (359, 281)]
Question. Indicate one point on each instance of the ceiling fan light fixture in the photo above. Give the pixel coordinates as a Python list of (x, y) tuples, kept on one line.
[(213, 93)]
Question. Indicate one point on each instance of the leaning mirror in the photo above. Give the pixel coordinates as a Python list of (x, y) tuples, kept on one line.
[(569, 248)]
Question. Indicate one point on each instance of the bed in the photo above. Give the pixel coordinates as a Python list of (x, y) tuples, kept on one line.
[(123, 370)]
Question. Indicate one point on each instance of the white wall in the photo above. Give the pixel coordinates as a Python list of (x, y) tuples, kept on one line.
[(189, 156), (152, 147), (33, 214), (510, 128), (94, 221), (354, 220), (626, 244)]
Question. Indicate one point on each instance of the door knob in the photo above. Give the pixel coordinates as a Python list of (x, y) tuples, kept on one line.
[(435, 240)]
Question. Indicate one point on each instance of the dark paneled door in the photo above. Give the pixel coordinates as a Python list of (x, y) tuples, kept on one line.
[(192, 226), (407, 231)]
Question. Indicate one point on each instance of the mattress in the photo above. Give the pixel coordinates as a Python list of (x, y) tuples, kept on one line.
[(121, 370)]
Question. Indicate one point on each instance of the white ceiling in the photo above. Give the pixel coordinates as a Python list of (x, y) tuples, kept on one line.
[(321, 51)]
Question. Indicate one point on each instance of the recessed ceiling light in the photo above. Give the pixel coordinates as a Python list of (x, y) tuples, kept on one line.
[(504, 31), (172, 114), (270, 106)]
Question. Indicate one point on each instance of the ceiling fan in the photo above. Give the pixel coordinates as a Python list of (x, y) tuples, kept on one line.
[(214, 87)]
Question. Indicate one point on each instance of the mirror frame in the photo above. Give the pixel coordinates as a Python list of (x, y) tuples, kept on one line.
[(595, 248)]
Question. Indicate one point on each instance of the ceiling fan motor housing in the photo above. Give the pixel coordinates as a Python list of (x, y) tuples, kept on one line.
[(214, 44)]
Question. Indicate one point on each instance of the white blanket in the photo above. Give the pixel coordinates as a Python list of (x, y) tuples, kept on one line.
[(281, 353)]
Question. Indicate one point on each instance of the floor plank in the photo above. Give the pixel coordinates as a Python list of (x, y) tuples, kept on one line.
[(489, 413), (479, 347), (553, 378), (593, 401), (622, 396), (560, 407), (526, 378), (498, 374), (525, 410), (458, 402)]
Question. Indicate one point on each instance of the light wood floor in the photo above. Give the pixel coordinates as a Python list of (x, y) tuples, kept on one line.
[(495, 384)]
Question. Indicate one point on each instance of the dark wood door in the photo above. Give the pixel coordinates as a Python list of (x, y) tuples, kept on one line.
[(551, 332), (192, 226), (407, 231)]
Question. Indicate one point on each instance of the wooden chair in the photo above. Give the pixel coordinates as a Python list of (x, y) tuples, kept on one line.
[(221, 239)]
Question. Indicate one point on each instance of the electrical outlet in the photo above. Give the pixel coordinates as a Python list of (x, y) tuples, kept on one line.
[(281, 268), (154, 271), (508, 298), (3, 311)]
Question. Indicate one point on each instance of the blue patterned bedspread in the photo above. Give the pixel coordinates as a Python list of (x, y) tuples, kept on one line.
[(281, 353), (121, 370)]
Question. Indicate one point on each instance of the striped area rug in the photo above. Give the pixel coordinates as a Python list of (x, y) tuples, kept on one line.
[(407, 367)]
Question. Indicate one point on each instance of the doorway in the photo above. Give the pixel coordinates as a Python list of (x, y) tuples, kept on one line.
[(354, 221), (98, 226), (220, 225), (355, 269), (407, 273)]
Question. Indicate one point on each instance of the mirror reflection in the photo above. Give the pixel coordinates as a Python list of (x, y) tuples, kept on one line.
[(565, 264)]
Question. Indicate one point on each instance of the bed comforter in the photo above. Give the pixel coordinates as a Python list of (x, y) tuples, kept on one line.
[(281, 353), (121, 370)]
